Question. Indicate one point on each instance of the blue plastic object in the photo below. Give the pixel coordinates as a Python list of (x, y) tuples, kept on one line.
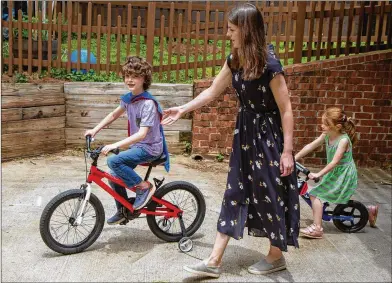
[(83, 59), (4, 15)]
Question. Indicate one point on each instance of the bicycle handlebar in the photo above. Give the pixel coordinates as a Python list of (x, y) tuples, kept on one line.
[(98, 150), (88, 142), (302, 168), (305, 171)]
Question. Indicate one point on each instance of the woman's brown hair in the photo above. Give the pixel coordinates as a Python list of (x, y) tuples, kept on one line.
[(253, 50), (138, 67), (335, 116)]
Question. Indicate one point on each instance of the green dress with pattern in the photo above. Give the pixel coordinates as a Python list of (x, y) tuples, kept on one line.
[(339, 184)]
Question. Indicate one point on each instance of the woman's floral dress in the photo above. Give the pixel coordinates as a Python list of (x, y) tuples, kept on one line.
[(256, 195)]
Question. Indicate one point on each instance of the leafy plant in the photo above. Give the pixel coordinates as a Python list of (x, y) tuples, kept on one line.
[(220, 157), (188, 147), (20, 78), (90, 76), (34, 32)]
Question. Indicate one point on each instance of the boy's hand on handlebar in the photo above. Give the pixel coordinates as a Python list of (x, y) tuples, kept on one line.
[(171, 115), (91, 133), (314, 176), (108, 148)]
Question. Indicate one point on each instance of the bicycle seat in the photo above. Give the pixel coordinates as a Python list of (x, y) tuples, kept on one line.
[(161, 159)]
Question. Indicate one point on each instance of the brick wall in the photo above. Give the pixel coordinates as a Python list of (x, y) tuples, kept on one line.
[(360, 84)]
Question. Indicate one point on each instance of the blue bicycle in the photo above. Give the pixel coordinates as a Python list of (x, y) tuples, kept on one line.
[(349, 218)]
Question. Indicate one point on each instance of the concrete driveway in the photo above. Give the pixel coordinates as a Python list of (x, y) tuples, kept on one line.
[(132, 253)]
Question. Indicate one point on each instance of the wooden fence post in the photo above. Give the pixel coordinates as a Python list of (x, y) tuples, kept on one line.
[(299, 31), (150, 32), (10, 41)]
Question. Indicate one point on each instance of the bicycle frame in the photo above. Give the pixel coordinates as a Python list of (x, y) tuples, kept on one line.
[(96, 175), (303, 192), (327, 215)]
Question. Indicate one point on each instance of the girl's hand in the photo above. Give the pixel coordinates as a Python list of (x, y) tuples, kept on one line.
[(91, 133), (171, 115), (313, 176), (108, 148), (286, 164)]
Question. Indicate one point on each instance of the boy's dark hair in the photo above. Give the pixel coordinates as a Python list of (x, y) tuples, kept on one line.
[(139, 67)]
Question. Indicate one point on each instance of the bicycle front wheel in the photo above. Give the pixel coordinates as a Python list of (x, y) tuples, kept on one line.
[(58, 226)]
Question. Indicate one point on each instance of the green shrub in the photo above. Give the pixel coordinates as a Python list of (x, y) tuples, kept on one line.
[(20, 78), (220, 157)]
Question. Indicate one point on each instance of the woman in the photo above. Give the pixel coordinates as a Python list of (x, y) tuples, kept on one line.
[(261, 188)]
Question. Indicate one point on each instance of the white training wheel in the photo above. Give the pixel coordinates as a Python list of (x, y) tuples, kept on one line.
[(185, 244)]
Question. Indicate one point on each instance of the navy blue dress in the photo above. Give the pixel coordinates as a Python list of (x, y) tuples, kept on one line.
[(256, 195)]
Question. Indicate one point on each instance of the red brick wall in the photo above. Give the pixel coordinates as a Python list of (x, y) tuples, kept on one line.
[(360, 84)]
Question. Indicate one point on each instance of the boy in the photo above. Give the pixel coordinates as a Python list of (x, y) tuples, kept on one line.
[(146, 141)]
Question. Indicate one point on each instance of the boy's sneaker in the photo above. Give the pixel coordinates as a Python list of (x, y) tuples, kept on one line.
[(143, 196), (116, 219)]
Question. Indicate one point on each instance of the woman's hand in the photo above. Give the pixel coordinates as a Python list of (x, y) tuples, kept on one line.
[(286, 164), (108, 148), (91, 133), (313, 176), (171, 115)]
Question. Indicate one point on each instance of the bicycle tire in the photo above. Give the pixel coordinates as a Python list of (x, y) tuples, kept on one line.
[(195, 225), (339, 210), (47, 214)]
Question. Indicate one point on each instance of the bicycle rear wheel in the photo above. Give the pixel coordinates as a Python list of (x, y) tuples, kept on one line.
[(186, 197), (58, 228), (353, 209)]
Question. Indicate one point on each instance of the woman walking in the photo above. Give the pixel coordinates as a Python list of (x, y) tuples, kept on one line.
[(261, 190)]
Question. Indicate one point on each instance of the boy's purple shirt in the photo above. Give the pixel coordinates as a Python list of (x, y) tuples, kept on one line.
[(151, 143)]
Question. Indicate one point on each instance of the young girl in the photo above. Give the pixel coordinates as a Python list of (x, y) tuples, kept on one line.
[(339, 180)]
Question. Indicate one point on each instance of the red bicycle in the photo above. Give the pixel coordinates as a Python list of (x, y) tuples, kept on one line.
[(73, 220)]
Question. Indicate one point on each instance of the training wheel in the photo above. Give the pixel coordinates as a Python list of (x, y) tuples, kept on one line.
[(185, 244)]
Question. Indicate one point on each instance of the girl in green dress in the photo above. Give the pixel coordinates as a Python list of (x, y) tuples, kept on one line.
[(339, 177)]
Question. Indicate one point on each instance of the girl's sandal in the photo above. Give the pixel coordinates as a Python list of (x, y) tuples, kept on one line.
[(373, 212), (312, 232)]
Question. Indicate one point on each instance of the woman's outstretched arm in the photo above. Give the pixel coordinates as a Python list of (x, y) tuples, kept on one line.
[(220, 83)]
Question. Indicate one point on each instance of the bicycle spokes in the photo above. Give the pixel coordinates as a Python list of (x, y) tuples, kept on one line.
[(63, 227), (185, 201), (349, 214)]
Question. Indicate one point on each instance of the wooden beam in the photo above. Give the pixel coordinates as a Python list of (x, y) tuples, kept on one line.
[(300, 31)]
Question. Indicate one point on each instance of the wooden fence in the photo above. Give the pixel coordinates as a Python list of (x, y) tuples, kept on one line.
[(185, 40), (44, 118), (88, 103)]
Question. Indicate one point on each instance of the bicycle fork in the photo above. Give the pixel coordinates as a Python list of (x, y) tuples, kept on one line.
[(81, 209)]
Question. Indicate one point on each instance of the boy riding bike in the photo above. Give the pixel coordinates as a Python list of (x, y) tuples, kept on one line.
[(146, 141)]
